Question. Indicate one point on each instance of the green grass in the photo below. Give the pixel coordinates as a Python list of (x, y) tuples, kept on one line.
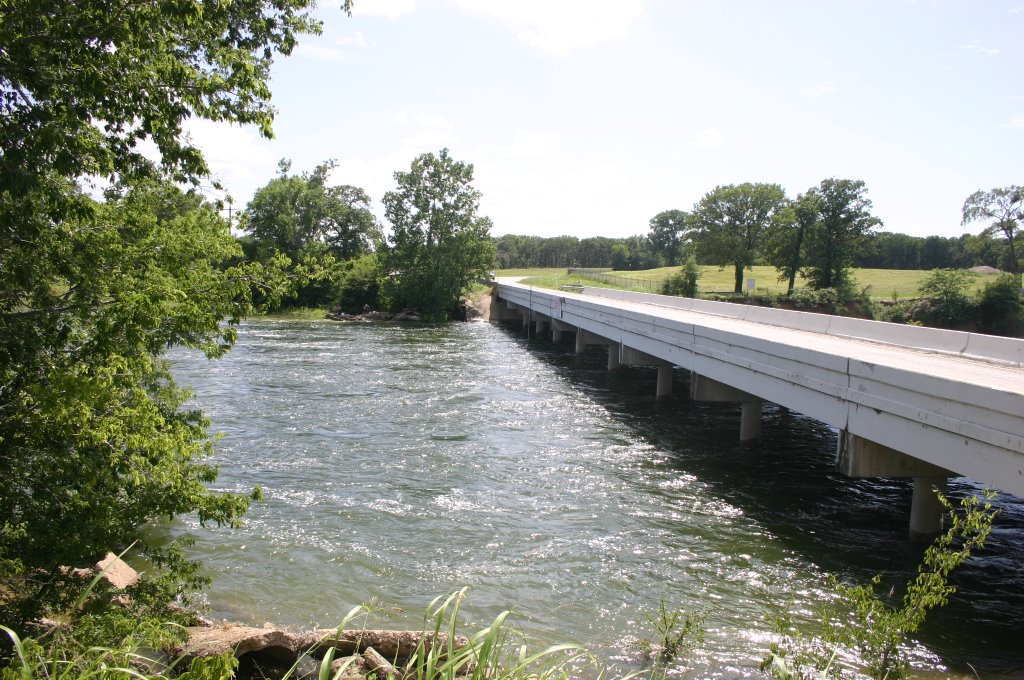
[(297, 314), (880, 284)]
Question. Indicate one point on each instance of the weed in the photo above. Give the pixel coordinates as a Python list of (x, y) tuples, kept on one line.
[(866, 634), (676, 630)]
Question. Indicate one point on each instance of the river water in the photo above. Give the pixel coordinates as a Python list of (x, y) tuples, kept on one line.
[(400, 463)]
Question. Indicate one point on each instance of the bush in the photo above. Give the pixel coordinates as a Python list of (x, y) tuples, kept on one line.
[(358, 284), (825, 298), (684, 282), (999, 308), (947, 303), (865, 633)]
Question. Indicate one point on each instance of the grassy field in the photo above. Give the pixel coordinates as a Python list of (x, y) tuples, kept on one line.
[(880, 284)]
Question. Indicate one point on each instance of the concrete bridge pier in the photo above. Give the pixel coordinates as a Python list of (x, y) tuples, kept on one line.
[(557, 328), (925, 508), (703, 388), (584, 338), (539, 324), (664, 384), (613, 355), (629, 356), (750, 422), (860, 457)]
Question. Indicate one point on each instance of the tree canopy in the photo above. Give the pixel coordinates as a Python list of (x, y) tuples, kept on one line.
[(839, 232), (438, 244), (291, 213), (730, 223), (785, 246), (1003, 208), (94, 440), (667, 234), (84, 83)]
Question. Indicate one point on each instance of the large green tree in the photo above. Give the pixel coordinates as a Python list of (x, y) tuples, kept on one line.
[(784, 246), (438, 244), (839, 232), (730, 223), (667, 234), (293, 213), (1003, 209), (94, 441)]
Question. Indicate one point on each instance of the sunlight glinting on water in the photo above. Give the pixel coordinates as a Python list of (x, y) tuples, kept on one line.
[(400, 463)]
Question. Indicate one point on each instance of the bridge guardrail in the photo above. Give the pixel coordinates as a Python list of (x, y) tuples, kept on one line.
[(935, 339)]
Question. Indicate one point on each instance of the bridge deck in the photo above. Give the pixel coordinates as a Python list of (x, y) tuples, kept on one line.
[(943, 402)]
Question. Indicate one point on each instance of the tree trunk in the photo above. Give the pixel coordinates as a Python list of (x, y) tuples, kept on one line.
[(794, 265), (739, 278)]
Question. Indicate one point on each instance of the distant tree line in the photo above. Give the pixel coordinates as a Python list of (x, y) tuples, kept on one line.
[(820, 235), (633, 253), (883, 250), (888, 250)]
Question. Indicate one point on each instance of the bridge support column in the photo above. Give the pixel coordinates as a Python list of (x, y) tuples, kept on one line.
[(859, 457), (750, 422), (557, 328), (705, 389), (629, 356), (581, 341), (538, 326), (926, 512), (664, 387), (613, 356)]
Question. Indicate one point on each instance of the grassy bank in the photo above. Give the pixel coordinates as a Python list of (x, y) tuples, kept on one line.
[(880, 284)]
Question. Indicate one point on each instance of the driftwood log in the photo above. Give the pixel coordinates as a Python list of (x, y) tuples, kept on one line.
[(375, 663), (382, 652)]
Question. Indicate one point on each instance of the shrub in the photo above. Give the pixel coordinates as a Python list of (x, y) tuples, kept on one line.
[(948, 305), (825, 298), (999, 308), (358, 284), (867, 624), (684, 282)]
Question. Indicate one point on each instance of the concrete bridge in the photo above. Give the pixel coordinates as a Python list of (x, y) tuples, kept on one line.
[(908, 401)]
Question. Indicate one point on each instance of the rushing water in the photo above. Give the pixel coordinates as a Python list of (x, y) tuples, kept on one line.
[(400, 463)]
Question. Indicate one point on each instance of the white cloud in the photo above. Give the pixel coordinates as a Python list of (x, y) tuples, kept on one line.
[(357, 39), (563, 26), (1017, 121), (820, 90), (975, 47), (387, 9), (1016, 10), (338, 51), (322, 53), (708, 138), (237, 156)]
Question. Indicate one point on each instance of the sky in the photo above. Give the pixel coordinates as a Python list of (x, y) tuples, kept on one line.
[(589, 117)]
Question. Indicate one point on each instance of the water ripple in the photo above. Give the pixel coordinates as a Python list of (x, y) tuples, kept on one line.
[(402, 462)]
